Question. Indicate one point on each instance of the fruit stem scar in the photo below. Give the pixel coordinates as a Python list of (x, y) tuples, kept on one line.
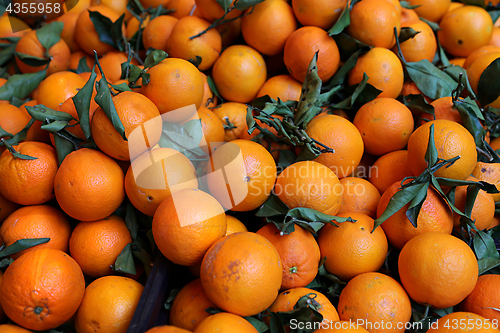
[(38, 310)]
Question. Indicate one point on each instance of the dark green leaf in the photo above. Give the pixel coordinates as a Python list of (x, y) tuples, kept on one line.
[(171, 297), (417, 202), (460, 74), (213, 87), (22, 244), (225, 4), (196, 62), (105, 101), (134, 73), (139, 252), (185, 138), (348, 45), (399, 200), (488, 88), (486, 252), (131, 220), (121, 87), (418, 104), (125, 261), (82, 102), (429, 79), (363, 92), (21, 85), (343, 21), (431, 154), (286, 158), (7, 54), (103, 25), (54, 126), (260, 326), (407, 5), (11, 138), (42, 113), (154, 58), (32, 60), (117, 33), (276, 325), (470, 198), (407, 33), (469, 111), (341, 75), (63, 146), (50, 34), (311, 88), (83, 67), (272, 207)]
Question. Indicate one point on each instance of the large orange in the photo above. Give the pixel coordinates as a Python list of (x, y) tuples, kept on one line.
[(12, 120), (224, 322), (167, 329), (351, 248), (281, 86), (58, 87), (95, 245), (309, 184), (155, 35), (376, 301), (186, 224), (384, 71), (435, 215), (252, 270), (68, 32), (385, 125), (140, 118), (299, 253), (89, 185), (443, 277), (212, 10), (181, 7), (320, 13), (189, 305), (233, 116), (111, 64), (458, 322), (155, 175), (242, 175), (421, 46), (430, 9), (207, 46), (178, 76), (452, 140), (465, 29), (343, 137), (39, 221), (488, 172), (484, 298), (108, 305), (373, 23), (266, 26), (388, 169), (212, 128), (234, 225), (477, 68), (300, 48), (77, 56), (49, 292), (288, 299), (359, 196), (239, 73), (11, 328), (59, 54), (28, 182), (479, 52)]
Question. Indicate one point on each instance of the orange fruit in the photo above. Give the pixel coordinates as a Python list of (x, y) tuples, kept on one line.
[(6, 208), (373, 23), (212, 10), (181, 7), (341, 326), (189, 305), (59, 54), (76, 6), (495, 37), (359, 196), (58, 87), (89, 185), (384, 71), (385, 125), (421, 46), (443, 277), (111, 64), (484, 297), (320, 13), (184, 234), (266, 26), (284, 87), (213, 130), (209, 98), (49, 292), (351, 248), (388, 169), (35, 132), (68, 32), (410, 88), (343, 137), (155, 35), (167, 329), (250, 171), (300, 48), (451, 139), (457, 62), (495, 144), (108, 305), (133, 25), (234, 225), (39, 221), (372, 299), (287, 299), (233, 116), (299, 253), (431, 10), (309, 184), (465, 29), (69, 107), (140, 118), (239, 73), (483, 210), (479, 52), (95, 245), (148, 183), (408, 16), (477, 68), (207, 46), (178, 76), (463, 322), (229, 31), (12, 120), (435, 215), (10, 328), (224, 322), (490, 173), (252, 267), (28, 182), (455, 5), (11, 26), (443, 109), (87, 37)]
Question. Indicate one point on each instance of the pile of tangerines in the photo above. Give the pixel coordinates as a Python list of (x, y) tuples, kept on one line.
[(317, 165)]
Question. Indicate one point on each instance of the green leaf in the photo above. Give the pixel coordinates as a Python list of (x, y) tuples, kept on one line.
[(7, 54), (407, 5), (154, 58), (486, 252), (225, 4), (213, 87), (260, 326), (105, 101), (13, 139), (432, 81), (134, 73), (121, 87), (32, 60), (348, 45), (407, 33), (343, 21), (196, 62), (171, 297), (272, 207), (417, 202), (434, 26), (418, 104), (21, 85), (83, 67), (50, 34), (399, 200), (63, 146), (42, 113), (488, 88), (82, 102), (363, 93), (431, 154), (184, 138), (286, 158), (341, 75), (54, 126), (469, 112), (22, 244), (116, 33), (103, 26), (131, 220), (311, 89), (245, 4), (276, 325), (460, 75), (125, 261)]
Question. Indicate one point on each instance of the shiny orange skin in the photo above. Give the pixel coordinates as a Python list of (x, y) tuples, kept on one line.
[(319, 13), (38, 221), (209, 98), (12, 120), (477, 68), (55, 89), (29, 182), (167, 329), (224, 322), (359, 196), (479, 52), (454, 322), (233, 114), (184, 234), (157, 32), (49, 293), (488, 172), (11, 328), (182, 7), (282, 86), (443, 109), (234, 225), (111, 65), (68, 32), (444, 277), (388, 169), (375, 297), (431, 10), (95, 245), (484, 297), (213, 130), (299, 253), (421, 46), (89, 185), (253, 269), (211, 10)]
